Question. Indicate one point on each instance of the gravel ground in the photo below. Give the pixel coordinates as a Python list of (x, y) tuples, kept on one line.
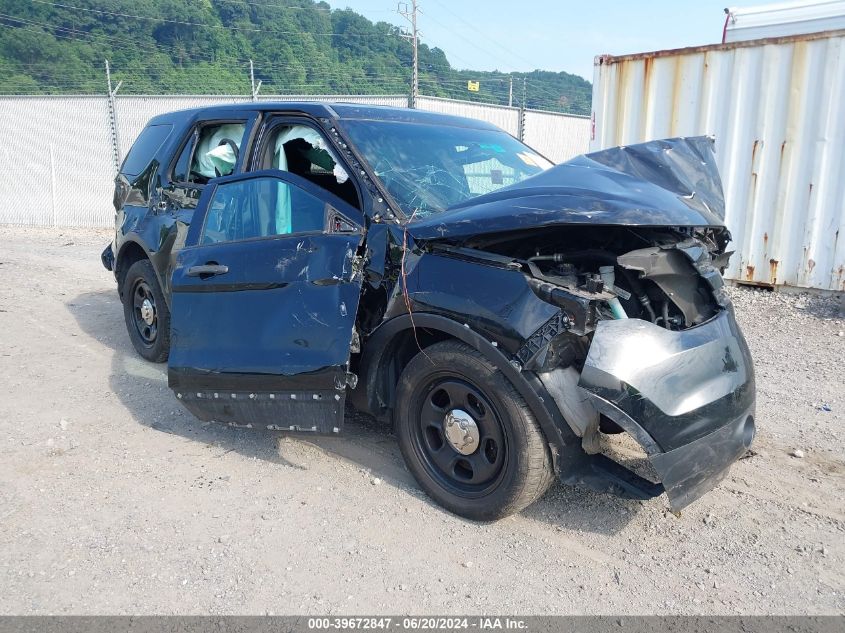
[(115, 500)]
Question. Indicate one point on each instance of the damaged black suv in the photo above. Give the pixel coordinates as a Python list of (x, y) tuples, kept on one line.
[(501, 311)]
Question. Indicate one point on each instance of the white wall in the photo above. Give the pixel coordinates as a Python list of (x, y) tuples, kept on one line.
[(57, 162), (58, 153)]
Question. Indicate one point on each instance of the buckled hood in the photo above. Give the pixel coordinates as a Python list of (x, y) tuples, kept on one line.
[(672, 182)]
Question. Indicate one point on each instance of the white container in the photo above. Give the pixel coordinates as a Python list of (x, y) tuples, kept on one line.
[(782, 19), (777, 110)]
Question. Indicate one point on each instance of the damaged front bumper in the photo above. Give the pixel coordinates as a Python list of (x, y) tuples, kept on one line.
[(687, 397)]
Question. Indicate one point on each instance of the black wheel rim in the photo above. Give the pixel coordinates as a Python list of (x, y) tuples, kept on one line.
[(468, 475), (144, 312)]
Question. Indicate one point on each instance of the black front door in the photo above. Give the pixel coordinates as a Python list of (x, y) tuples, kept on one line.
[(264, 298)]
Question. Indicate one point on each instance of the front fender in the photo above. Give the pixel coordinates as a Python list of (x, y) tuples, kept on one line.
[(378, 348)]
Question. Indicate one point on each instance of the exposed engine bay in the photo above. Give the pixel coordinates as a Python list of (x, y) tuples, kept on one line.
[(669, 277)]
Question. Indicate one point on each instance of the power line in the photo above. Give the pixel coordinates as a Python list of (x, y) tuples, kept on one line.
[(292, 8), (468, 41), (486, 35), (193, 80), (154, 46), (201, 24), (264, 5)]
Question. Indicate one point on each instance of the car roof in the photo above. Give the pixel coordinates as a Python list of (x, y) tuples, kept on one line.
[(318, 109)]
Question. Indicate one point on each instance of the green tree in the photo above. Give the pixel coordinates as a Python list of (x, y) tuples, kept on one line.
[(204, 46)]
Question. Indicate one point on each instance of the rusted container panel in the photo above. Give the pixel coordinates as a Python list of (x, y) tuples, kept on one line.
[(777, 110), (783, 18)]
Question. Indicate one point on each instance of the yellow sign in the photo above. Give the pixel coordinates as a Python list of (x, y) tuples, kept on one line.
[(472, 86)]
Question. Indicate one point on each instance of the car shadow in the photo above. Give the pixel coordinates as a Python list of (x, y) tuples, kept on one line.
[(142, 388), (579, 508), (370, 445)]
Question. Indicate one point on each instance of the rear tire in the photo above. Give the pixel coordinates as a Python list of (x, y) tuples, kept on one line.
[(468, 436), (146, 313)]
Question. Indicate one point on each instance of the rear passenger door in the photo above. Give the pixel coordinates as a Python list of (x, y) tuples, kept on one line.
[(212, 148)]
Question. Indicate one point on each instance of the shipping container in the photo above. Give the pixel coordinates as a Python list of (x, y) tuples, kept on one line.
[(776, 108), (782, 19)]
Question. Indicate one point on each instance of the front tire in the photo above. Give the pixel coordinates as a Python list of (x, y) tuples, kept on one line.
[(468, 436), (146, 313)]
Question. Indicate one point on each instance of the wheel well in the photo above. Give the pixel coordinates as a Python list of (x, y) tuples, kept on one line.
[(383, 373), (393, 344), (130, 253)]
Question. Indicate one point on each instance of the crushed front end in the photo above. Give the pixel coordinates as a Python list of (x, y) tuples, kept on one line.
[(629, 244), (646, 342)]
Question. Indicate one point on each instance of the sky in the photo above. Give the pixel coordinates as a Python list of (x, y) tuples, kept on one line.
[(518, 36)]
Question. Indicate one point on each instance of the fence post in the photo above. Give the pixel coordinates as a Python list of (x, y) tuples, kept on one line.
[(53, 186), (521, 124), (522, 112), (113, 119)]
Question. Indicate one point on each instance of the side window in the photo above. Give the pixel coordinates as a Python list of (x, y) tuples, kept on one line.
[(212, 151), (181, 172), (302, 150), (260, 207), (144, 148)]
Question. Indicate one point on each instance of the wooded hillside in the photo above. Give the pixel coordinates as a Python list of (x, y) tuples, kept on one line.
[(204, 47)]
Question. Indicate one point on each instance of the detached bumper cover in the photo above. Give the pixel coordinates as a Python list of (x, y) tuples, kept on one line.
[(690, 471), (687, 397)]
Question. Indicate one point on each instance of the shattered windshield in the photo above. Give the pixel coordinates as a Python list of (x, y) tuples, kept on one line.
[(429, 168)]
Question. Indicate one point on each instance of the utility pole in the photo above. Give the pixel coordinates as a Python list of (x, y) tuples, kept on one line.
[(113, 118), (255, 88), (411, 15), (510, 93)]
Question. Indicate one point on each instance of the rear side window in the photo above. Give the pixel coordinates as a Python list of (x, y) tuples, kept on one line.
[(261, 207), (145, 148), (212, 151)]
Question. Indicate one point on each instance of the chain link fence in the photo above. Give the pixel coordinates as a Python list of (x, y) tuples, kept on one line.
[(59, 151)]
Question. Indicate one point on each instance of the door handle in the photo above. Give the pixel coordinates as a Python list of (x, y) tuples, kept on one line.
[(207, 270)]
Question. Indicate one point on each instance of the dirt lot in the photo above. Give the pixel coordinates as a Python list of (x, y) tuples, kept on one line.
[(115, 500)]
